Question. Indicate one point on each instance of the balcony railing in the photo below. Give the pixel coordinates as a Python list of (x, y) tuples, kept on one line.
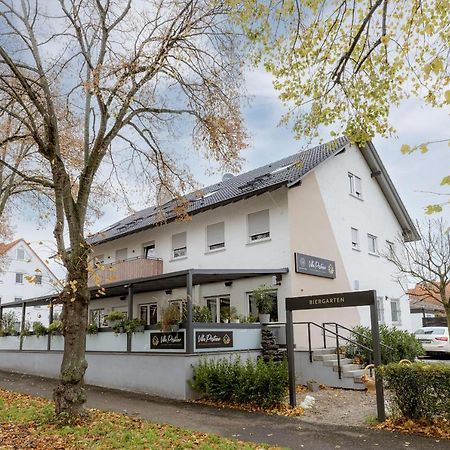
[(128, 269)]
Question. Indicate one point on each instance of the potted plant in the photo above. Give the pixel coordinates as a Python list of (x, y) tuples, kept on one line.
[(225, 314), (264, 302), (234, 317), (170, 318), (115, 319), (134, 326), (55, 328), (39, 329), (201, 314), (92, 328)]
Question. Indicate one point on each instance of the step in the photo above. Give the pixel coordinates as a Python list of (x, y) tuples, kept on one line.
[(326, 351), (334, 362), (324, 357), (347, 367), (353, 373), (358, 380)]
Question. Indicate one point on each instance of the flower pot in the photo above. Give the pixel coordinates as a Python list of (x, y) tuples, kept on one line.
[(225, 320), (264, 318), (235, 321)]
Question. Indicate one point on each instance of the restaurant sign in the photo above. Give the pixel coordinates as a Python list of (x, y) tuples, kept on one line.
[(167, 341), (311, 265), (213, 339)]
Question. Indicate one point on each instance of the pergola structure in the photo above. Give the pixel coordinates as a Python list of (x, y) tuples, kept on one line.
[(184, 278)]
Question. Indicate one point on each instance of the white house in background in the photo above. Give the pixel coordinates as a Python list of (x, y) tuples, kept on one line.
[(334, 201), (25, 275)]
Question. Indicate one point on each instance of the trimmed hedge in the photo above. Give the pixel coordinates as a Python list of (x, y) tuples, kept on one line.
[(404, 345), (419, 390), (261, 383)]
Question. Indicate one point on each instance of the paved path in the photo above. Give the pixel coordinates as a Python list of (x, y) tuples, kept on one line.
[(288, 432)]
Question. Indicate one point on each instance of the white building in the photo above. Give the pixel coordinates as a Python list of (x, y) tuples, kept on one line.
[(334, 201), (25, 275)]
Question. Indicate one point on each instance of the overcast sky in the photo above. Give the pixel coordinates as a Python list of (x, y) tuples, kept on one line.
[(414, 175)]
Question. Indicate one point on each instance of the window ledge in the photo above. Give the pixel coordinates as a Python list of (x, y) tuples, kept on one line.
[(216, 250), (258, 241), (374, 254), (355, 196), (178, 258), (356, 249)]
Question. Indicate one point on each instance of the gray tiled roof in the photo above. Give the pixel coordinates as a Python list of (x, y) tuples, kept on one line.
[(284, 172)]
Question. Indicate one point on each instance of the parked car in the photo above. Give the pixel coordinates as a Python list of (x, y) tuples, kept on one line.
[(434, 340)]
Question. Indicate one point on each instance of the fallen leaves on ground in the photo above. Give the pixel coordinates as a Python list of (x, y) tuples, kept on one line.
[(279, 410), (439, 428), (28, 422)]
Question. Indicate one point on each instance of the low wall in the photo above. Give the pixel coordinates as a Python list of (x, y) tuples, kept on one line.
[(165, 375)]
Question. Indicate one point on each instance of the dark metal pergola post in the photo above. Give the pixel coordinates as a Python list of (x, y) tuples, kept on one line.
[(130, 301), (189, 329), (381, 412), (50, 320), (290, 354), (22, 325)]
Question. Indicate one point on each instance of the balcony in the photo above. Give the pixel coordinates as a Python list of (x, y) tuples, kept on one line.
[(128, 269)]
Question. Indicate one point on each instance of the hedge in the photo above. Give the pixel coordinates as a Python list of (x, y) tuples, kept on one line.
[(261, 383), (419, 390)]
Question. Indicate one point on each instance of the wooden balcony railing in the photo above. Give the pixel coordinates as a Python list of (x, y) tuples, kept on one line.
[(128, 269)]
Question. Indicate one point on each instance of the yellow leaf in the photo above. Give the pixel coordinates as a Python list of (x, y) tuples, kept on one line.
[(423, 148), (447, 99), (405, 148), (445, 180)]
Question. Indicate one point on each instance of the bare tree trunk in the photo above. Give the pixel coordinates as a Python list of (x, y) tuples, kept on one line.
[(447, 312), (70, 395)]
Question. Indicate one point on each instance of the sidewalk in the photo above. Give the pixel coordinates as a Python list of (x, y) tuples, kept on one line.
[(274, 430)]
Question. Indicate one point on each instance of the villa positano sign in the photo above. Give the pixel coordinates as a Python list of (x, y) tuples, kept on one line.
[(167, 341), (213, 339), (311, 265)]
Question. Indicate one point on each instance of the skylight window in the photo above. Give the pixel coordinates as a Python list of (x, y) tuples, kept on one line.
[(279, 169)]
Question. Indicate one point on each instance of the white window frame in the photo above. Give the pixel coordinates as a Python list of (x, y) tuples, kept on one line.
[(100, 319), (148, 306), (355, 186), (149, 250), (20, 274), (22, 250), (220, 244), (179, 252), (217, 300), (253, 309), (398, 311), (371, 238), (258, 237), (391, 248), (124, 250), (380, 309), (18, 299), (355, 242)]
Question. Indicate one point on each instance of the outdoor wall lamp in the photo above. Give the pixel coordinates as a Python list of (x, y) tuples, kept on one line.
[(122, 297), (168, 291), (228, 283)]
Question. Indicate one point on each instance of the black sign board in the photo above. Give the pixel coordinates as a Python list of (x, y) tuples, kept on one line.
[(358, 298), (167, 341), (311, 265), (213, 339)]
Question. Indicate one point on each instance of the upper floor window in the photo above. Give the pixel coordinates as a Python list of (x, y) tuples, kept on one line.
[(19, 278), (395, 311), (372, 243), (355, 238), (258, 225), (17, 299), (215, 236), (38, 279), (149, 250), (355, 185), (121, 254), (390, 248), (179, 247), (20, 254)]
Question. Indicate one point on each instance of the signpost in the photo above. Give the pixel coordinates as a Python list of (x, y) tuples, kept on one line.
[(213, 339), (339, 300), (311, 265), (167, 341)]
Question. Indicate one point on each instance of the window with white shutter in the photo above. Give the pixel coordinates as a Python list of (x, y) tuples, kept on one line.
[(355, 185), (179, 247), (215, 236), (395, 311), (355, 238), (258, 225), (122, 254), (380, 309), (372, 244)]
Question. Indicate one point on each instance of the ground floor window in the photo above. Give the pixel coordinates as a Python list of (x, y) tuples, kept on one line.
[(97, 317), (395, 311), (149, 313), (380, 309), (181, 303), (219, 307), (122, 309), (253, 310)]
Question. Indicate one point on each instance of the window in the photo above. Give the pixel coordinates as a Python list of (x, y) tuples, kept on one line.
[(395, 311), (121, 255), (20, 254), (149, 250), (355, 239), (179, 248), (380, 309), (17, 299), (355, 185), (97, 317), (253, 310), (122, 309), (181, 303), (258, 226), (38, 279), (215, 236), (391, 248), (99, 259), (372, 242), (19, 278), (219, 307), (149, 313)]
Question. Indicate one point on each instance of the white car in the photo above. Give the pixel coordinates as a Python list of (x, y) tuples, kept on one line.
[(434, 340)]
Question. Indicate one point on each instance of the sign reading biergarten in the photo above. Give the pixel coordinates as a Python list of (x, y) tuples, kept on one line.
[(167, 341), (312, 265), (213, 339)]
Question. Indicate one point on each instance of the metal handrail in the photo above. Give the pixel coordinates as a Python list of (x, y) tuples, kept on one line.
[(351, 331)]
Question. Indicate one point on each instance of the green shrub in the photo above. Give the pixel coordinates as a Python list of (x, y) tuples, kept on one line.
[(251, 382), (201, 314), (55, 327), (404, 345), (8, 324), (39, 329), (419, 390)]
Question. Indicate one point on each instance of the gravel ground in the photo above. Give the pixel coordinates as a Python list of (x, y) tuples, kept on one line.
[(340, 407)]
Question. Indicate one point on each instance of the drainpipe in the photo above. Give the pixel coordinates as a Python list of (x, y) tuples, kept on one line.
[(189, 329), (22, 326), (50, 320), (130, 314)]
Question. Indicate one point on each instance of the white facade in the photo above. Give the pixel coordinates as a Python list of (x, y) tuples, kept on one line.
[(24, 275), (314, 217)]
